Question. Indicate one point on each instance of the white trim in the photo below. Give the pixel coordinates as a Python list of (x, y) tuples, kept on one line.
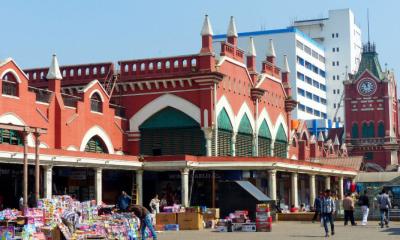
[(265, 116), (164, 92), (166, 100), (91, 84), (244, 109), (9, 96), (223, 103), (9, 70), (231, 60), (72, 148), (96, 130), (43, 145), (96, 91), (294, 157), (280, 120), (12, 118)]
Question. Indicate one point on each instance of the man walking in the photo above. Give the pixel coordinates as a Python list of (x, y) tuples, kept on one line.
[(348, 206), (327, 211), (384, 206), (317, 206), (363, 201)]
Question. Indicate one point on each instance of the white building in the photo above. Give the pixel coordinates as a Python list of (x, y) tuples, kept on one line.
[(306, 62), (341, 38)]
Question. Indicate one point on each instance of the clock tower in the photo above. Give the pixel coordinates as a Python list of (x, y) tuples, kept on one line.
[(371, 117)]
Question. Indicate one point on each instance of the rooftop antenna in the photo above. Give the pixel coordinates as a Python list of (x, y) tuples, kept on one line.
[(368, 24)]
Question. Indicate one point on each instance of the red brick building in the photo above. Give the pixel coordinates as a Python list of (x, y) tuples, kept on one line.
[(371, 109), (209, 115)]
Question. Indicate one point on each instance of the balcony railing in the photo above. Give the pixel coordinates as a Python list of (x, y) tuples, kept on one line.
[(9, 88), (42, 95), (70, 100), (119, 110), (367, 141)]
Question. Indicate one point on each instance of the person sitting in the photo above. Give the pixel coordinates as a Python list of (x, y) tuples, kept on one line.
[(302, 208), (294, 209)]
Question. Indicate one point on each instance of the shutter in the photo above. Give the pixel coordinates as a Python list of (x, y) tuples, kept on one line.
[(264, 146), (354, 130), (224, 143), (244, 145), (280, 149)]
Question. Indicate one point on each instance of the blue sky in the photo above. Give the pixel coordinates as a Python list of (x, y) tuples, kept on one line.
[(84, 31)]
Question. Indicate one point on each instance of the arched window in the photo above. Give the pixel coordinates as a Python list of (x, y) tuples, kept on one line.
[(371, 130), (365, 130), (9, 85), (354, 131), (244, 138), (265, 140), (96, 144), (96, 105), (381, 129), (10, 137), (225, 132), (281, 143)]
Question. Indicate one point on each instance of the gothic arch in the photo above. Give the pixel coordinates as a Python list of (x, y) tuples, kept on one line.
[(12, 118), (12, 72), (224, 104), (278, 122), (93, 131), (244, 110)]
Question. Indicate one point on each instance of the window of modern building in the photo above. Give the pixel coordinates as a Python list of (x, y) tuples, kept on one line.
[(309, 80), (334, 91), (314, 54), (315, 69), (323, 101), (308, 65), (322, 87), (333, 49), (334, 105), (322, 73), (337, 35), (337, 77), (309, 110), (333, 35), (309, 95), (337, 49), (338, 91), (316, 98), (324, 115), (317, 113), (300, 61), (301, 92), (334, 77), (301, 107), (333, 63), (307, 49), (315, 84), (337, 63), (300, 76), (299, 44)]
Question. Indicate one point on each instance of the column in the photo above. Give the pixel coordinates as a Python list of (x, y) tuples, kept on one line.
[(233, 143), (255, 144), (341, 190), (25, 169), (312, 189), (208, 133), (37, 167), (272, 184), (139, 187), (185, 187), (98, 178), (327, 182), (48, 181), (272, 147), (294, 189)]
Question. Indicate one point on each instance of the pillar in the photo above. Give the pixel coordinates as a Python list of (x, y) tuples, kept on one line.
[(185, 187), (98, 178), (37, 167), (272, 184), (25, 169), (255, 145), (312, 189), (294, 189), (234, 134), (272, 147), (139, 187), (48, 181), (208, 133), (327, 182), (341, 189)]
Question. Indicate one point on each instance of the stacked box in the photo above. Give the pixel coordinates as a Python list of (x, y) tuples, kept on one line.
[(263, 218), (190, 221), (166, 218)]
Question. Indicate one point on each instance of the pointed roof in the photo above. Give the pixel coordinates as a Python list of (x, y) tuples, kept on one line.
[(286, 68), (321, 137), (252, 48), (313, 139), (232, 28), (370, 62), (207, 29), (271, 49), (336, 141), (54, 69)]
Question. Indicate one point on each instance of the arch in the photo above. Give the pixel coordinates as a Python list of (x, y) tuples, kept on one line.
[(264, 139), (280, 122), (245, 125), (96, 102), (365, 130), (12, 72), (381, 129), (224, 104), (169, 117), (244, 110), (304, 136), (354, 130), (15, 119), (281, 134), (264, 116), (96, 145), (93, 131), (264, 130), (98, 92), (166, 100), (371, 129)]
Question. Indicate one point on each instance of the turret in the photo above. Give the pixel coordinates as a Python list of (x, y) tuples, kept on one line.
[(285, 76), (251, 56), (54, 75), (206, 36), (232, 34), (271, 55)]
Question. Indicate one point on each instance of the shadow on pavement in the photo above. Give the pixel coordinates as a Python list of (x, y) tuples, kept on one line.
[(392, 231), (306, 236)]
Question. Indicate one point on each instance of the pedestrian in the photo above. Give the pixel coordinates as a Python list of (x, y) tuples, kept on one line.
[(155, 205), (31, 200), (123, 201), (384, 206), (327, 211), (163, 202), (317, 206), (348, 206), (71, 219), (145, 220), (21, 203), (363, 202)]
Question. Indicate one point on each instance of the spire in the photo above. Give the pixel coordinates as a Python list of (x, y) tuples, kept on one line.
[(232, 28), (207, 29), (286, 68), (271, 49), (313, 139), (336, 141), (252, 49), (54, 69), (320, 137)]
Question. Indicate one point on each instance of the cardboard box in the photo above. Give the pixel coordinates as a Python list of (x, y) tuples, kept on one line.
[(190, 221), (263, 226), (166, 218), (211, 213)]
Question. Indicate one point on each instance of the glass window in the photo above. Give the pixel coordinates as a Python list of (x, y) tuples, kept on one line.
[(337, 49), (322, 87), (334, 105), (317, 113), (309, 110), (316, 98), (334, 91), (301, 107), (309, 80), (308, 65), (322, 73), (321, 58), (96, 105), (307, 49), (315, 69), (333, 49), (333, 35), (309, 95), (334, 77), (337, 35), (315, 84), (337, 77), (300, 91), (338, 91), (333, 63), (300, 60), (323, 101), (315, 54), (324, 115), (337, 63), (300, 76), (299, 44)]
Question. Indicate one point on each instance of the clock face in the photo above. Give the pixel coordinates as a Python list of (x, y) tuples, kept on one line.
[(367, 87)]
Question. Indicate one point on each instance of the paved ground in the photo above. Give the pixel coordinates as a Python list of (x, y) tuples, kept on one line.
[(294, 230)]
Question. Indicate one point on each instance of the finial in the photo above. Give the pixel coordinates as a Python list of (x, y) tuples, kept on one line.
[(252, 49), (207, 29), (320, 137), (54, 69), (232, 28), (336, 141), (286, 68), (271, 49)]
